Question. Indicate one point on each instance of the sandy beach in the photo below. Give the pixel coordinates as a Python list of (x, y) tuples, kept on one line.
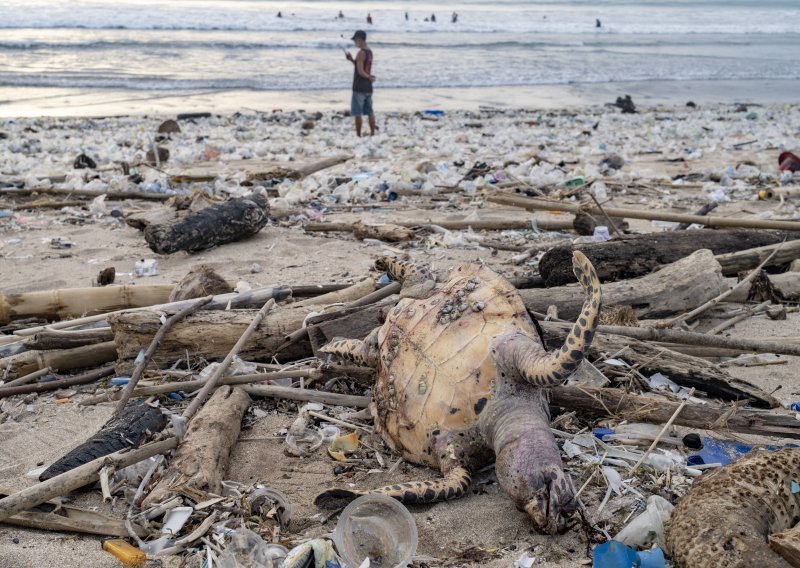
[(722, 147)]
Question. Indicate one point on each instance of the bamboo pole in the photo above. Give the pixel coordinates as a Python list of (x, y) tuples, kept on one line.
[(60, 360), (477, 225), (79, 477), (74, 302), (219, 302), (533, 204), (308, 395), (735, 262)]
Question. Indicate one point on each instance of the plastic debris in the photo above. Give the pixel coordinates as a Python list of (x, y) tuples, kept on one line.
[(341, 445), (247, 550), (146, 267), (317, 553), (377, 527), (648, 527)]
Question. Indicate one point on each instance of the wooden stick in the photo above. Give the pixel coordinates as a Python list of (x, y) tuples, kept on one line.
[(485, 225), (30, 377), (190, 386), (691, 338), (79, 477), (735, 262), (308, 395), (140, 368), (533, 204), (56, 339), (217, 375), (663, 430), (82, 379), (749, 312), (112, 195), (714, 301), (603, 211)]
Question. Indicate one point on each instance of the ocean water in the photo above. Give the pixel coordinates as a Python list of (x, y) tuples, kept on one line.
[(196, 45)]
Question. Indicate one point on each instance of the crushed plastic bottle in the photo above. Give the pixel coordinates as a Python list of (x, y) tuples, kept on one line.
[(146, 267), (247, 550), (648, 527)]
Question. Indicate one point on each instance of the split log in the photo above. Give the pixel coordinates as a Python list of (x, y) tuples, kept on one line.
[(79, 477), (173, 210), (60, 360), (533, 204), (640, 254), (75, 302), (54, 339), (201, 461), (685, 370), (616, 403), (680, 286), (226, 222), (126, 430)]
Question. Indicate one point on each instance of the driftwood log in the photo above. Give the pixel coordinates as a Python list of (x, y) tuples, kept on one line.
[(201, 461), (659, 409), (212, 334), (54, 339), (226, 222), (678, 287), (126, 430), (640, 254)]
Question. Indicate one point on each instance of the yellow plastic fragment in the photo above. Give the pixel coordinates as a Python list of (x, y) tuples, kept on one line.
[(342, 444), (125, 553)]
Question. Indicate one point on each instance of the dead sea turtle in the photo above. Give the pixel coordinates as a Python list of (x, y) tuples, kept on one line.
[(727, 517), (460, 371)]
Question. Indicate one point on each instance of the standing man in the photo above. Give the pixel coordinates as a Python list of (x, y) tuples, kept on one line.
[(361, 103)]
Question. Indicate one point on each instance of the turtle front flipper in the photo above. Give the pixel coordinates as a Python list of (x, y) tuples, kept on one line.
[(518, 352), (416, 279), (453, 485), (356, 351)]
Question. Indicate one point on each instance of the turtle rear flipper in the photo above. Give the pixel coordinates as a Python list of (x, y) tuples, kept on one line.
[(535, 365), (453, 485), (416, 279), (355, 350)]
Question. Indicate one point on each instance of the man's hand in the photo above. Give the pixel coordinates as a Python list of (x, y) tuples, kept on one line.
[(348, 56), (372, 78)]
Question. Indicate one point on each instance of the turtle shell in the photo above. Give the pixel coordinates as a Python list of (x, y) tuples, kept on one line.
[(437, 366)]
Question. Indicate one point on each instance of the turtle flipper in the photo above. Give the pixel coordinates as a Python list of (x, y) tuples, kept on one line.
[(416, 279), (538, 367), (360, 352), (453, 485)]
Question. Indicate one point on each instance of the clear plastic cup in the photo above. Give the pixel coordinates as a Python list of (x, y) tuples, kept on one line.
[(376, 527)]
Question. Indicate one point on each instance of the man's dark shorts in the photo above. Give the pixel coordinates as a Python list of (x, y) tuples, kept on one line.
[(361, 104)]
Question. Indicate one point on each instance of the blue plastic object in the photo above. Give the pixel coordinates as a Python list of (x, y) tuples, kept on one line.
[(725, 451), (613, 554), (118, 381), (795, 406), (433, 112), (174, 396), (653, 558), (602, 433)]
